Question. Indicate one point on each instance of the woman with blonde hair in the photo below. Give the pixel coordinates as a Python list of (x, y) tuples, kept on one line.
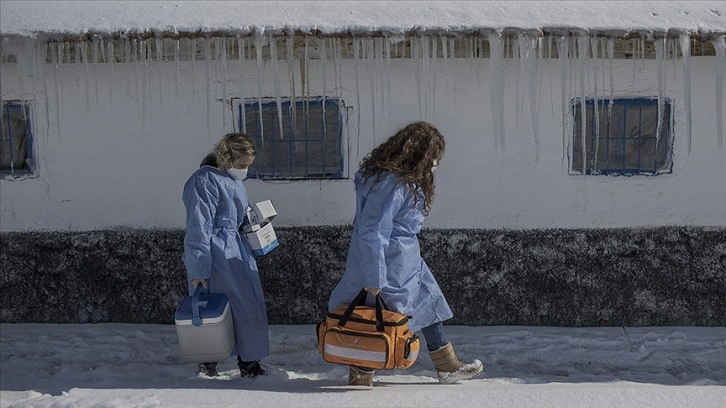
[(216, 256), (394, 191)]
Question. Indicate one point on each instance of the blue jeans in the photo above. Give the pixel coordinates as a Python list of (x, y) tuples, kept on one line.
[(434, 336)]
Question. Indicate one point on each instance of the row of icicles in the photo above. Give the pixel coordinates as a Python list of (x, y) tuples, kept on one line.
[(429, 53)]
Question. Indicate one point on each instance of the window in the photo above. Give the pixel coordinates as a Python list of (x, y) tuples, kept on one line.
[(16, 139), (626, 143), (311, 146)]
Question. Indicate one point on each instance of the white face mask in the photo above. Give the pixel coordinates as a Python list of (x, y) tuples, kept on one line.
[(237, 174), (436, 166)]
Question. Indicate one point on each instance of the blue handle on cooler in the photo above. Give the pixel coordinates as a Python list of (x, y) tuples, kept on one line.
[(196, 320)]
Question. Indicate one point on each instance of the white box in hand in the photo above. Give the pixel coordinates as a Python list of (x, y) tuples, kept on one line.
[(261, 212)]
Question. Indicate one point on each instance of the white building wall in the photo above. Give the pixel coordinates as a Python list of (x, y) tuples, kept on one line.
[(115, 143)]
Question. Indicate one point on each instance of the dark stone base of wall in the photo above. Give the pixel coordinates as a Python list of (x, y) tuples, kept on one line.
[(559, 277)]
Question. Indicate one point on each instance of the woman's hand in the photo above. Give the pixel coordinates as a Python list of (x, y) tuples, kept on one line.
[(197, 281), (373, 291)]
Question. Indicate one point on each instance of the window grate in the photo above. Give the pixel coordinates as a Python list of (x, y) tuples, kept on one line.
[(632, 138), (16, 139), (311, 144)]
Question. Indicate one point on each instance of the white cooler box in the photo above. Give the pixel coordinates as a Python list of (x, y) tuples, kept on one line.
[(207, 334)]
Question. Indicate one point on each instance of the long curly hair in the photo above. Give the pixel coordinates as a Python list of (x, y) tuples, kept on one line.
[(410, 154), (230, 148)]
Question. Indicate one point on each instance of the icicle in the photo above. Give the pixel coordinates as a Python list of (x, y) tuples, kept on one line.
[(177, 74), (259, 43), (426, 73), (84, 58), (32, 49), (517, 82), (563, 46), (496, 94), (111, 58), (137, 78), (672, 54), (594, 44), (192, 60), (452, 50), (127, 66), (685, 39), (719, 46), (25, 65), (224, 83), (582, 50), (660, 58), (636, 55), (145, 88), (381, 91), (611, 58), (220, 49), (21, 55), (323, 63), (243, 114), (208, 60), (276, 82), (434, 58), (602, 45), (426, 76), (58, 88), (356, 57), (290, 58), (95, 67), (370, 57), (528, 60), (387, 43), (306, 84), (539, 54), (550, 38), (339, 76), (46, 99), (159, 48), (444, 54), (417, 66), (306, 87), (102, 47), (476, 60)]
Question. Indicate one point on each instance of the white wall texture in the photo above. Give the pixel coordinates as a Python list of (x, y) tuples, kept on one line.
[(115, 143)]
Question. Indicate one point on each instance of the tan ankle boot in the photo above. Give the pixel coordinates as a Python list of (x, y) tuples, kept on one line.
[(450, 369), (356, 376)]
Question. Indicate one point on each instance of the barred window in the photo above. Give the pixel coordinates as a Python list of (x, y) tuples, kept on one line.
[(626, 143), (16, 139), (311, 144)]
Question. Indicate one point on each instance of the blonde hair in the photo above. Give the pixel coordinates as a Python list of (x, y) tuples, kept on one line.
[(231, 147), (410, 154)]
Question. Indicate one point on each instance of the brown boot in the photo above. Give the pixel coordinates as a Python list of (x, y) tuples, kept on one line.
[(358, 376), (450, 369)]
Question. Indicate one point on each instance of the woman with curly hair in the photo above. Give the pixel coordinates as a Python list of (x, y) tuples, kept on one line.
[(394, 191), (216, 256)]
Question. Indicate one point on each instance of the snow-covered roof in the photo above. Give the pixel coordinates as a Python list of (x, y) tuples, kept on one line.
[(69, 18)]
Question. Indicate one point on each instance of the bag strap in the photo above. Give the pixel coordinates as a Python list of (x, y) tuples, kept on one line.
[(385, 306), (360, 301), (379, 314)]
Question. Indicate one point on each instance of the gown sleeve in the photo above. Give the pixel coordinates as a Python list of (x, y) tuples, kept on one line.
[(200, 199), (374, 227)]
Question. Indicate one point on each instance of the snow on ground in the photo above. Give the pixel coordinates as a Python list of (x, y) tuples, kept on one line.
[(128, 365)]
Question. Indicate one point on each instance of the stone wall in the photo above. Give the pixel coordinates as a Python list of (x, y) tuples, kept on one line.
[(559, 277)]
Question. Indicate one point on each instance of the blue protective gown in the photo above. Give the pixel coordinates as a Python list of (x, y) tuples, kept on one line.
[(214, 250), (384, 253)]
